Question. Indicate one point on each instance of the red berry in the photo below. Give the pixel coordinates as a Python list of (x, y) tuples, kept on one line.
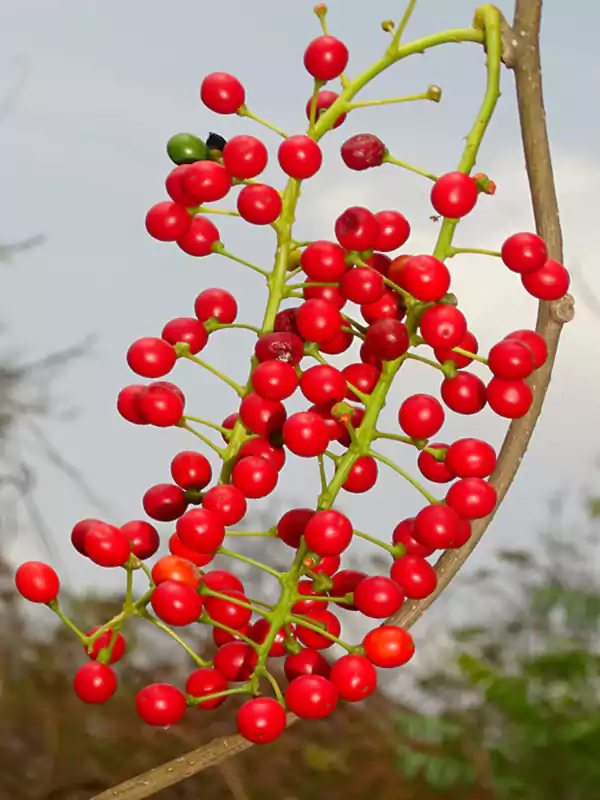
[(470, 458), (524, 253), (344, 582), (511, 360), (404, 534), (311, 697), (200, 237), (362, 475), (228, 612), (387, 339), (367, 356), (357, 229), (322, 619), (323, 384), (176, 568), (151, 357), (394, 230), (259, 631), (221, 579), (325, 99), (328, 565), (306, 662), (259, 204), (262, 448), (378, 597), (187, 330), (324, 261), (37, 582), (167, 221), (292, 525), (389, 646), (274, 380), (362, 285), (283, 346), (379, 262), (128, 404), (328, 533), (236, 661), (160, 704), (454, 195), (176, 603), (164, 502), (354, 677), (95, 682), (160, 406), (143, 537), (285, 321), (309, 602), (216, 304), (254, 476), (535, 341), (79, 532), (245, 157), (201, 530), (206, 182), (437, 526), (389, 306), (300, 157), (421, 416), (464, 394), (222, 93), (434, 470), (468, 343), (363, 377), (227, 502), (472, 498), (206, 681), (325, 58), (174, 187), (318, 320), (107, 546), (509, 399), (550, 282), (104, 641), (363, 151), (261, 720), (424, 277), (443, 326), (221, 637), (415, 576), (306, 434), (338, 344), (263, 417), (177, 548), (191, 470)]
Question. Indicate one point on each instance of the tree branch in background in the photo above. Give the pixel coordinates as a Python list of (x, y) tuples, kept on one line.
[(521, 54)]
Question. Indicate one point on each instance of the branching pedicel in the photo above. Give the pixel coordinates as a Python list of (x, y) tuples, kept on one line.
[(406, 310)]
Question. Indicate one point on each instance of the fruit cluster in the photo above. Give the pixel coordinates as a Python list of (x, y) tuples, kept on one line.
[(403, 304)]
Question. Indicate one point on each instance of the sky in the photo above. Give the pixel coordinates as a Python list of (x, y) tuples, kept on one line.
[(83, 158)]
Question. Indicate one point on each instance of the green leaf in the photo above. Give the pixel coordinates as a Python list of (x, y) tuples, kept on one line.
[(517, 558)]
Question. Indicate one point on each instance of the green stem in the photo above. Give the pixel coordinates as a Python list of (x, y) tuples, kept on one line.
[(322, 473), (129, 589), (427, 361), (453, 251), (467, 354), (243, 112), (373, 540), (239, 390), (389, 100), (273, 681), (219, 326), (222, 551), (218, 248), (194, 701), (298, 620), (175, 637), (206, 592), (388, 159), (242, 636), (384, 460), (71, 625), (219, 450), (402, 26), (208, 210), (208, 424), (251, 533)]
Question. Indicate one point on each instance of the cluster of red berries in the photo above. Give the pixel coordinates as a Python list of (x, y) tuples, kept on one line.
[(405, 302)]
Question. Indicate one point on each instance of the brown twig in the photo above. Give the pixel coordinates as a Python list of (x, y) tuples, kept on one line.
[(521, 54)]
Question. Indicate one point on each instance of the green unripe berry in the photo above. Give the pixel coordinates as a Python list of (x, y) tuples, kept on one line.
[(185, 148)]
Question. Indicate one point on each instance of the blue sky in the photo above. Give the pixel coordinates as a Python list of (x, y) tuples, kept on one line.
[(83, 158)]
